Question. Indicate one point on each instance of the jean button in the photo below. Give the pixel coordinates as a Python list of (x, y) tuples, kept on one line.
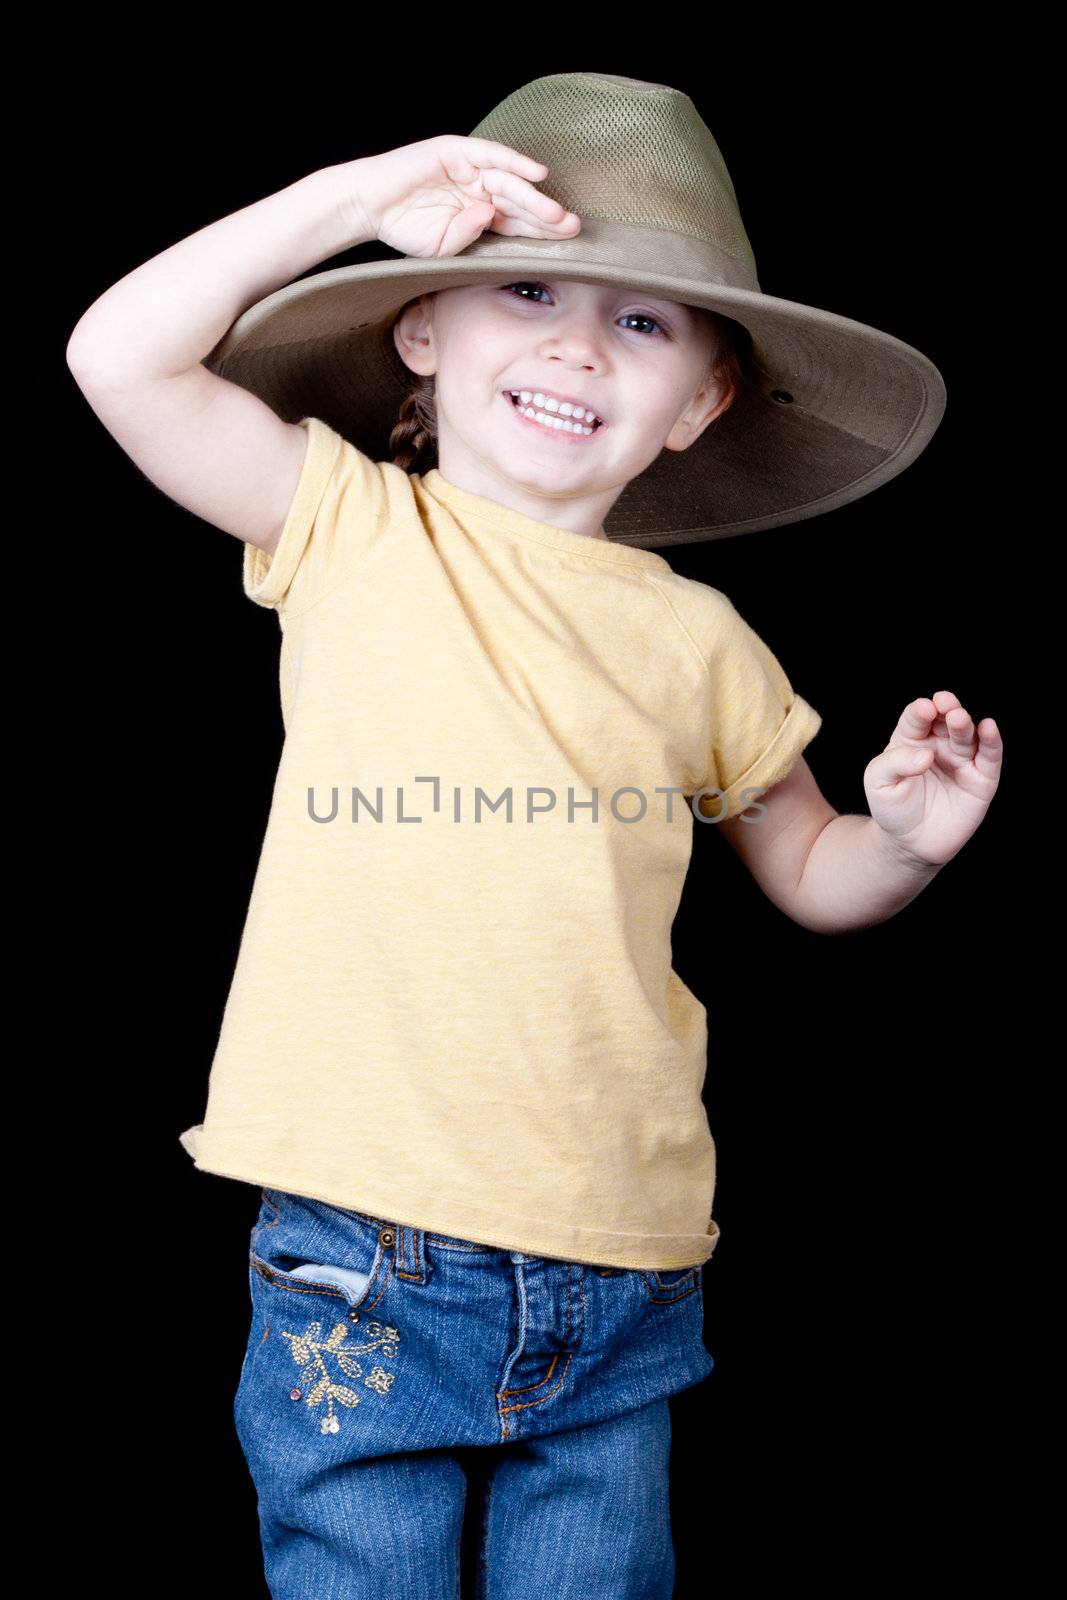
[(387, 1237)]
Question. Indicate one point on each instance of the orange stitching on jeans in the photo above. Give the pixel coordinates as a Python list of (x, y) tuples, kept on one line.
[(524, 1405), (664, 1299), (272, 1275), (529, 1386), (414, 1277)]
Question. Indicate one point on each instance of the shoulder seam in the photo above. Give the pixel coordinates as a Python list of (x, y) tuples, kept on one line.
[(654, 583)]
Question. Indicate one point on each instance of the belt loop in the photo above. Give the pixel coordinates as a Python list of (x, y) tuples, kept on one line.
[(411, 1261)]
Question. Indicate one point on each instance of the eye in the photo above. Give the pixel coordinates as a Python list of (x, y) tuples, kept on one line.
[(507, 288), (642, 316)]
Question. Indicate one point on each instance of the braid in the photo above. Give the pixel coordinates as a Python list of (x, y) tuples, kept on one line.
[(415, 430)]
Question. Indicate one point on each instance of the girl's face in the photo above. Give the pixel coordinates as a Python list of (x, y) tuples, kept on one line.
[(638, 361)]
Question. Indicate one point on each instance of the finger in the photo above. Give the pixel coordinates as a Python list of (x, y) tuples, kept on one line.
[(916, 720), (517, 228), (898, 762), (521, 198), (990, 753), (960, 729), (489, 153), (465, 161), (945, 700), (466, 226), (525, 222)]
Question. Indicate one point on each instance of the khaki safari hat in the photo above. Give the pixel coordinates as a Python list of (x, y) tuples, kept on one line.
[(831, 410)]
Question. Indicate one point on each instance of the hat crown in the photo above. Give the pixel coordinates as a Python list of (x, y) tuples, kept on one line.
[(628, 151)]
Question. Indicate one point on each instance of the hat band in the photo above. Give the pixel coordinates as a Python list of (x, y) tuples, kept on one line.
[(625, 250)]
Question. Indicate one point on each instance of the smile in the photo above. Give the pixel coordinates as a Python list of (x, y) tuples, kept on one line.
[(553, 424)]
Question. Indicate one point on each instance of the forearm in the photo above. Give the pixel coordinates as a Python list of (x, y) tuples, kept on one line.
[(854, 876), (167, 315)]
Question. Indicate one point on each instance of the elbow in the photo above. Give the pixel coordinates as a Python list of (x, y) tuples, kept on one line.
[(816, 916), (79, 345), (812, 922), (83, 360), (90, 352)]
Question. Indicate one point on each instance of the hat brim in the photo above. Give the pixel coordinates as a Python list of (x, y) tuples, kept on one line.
[(839, 407)]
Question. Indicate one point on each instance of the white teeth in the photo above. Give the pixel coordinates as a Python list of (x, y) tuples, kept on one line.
[(555, 422), (546, 409)]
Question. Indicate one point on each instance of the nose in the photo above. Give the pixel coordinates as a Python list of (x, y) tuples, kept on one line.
[(576, 346)]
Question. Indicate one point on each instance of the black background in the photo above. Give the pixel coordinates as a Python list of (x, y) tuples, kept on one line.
[(853, 1084)]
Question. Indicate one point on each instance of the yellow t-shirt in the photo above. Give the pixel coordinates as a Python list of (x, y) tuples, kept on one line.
[(445, 1011)]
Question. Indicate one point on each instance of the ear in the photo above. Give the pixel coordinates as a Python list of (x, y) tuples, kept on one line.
[(710, 401), (413, 336)]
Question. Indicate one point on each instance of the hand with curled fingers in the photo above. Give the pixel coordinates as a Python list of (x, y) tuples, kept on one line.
[(434, 197), (932, 784)]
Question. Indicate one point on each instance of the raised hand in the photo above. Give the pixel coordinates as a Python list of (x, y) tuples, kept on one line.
[(434, 197), (932, 784)]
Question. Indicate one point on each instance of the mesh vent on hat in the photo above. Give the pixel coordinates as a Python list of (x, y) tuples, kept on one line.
[(624, 150)]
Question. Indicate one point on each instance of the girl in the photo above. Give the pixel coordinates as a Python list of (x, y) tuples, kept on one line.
[(455, 1057)]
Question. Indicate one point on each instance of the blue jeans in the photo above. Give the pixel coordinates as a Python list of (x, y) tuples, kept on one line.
[(378, 1351)]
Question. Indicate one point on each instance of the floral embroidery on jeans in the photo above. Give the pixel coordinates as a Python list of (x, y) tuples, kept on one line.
[(313, 1355)]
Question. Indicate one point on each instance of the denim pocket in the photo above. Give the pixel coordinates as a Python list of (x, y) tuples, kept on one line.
[(311, 1248), (323, 1328), (664, 1286)]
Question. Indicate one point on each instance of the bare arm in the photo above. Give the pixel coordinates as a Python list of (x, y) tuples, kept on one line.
[(209, 444), (829, 873), (137, 353), (775, 840)]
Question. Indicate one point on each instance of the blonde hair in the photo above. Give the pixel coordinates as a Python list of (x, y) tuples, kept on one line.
[(413, 440)]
